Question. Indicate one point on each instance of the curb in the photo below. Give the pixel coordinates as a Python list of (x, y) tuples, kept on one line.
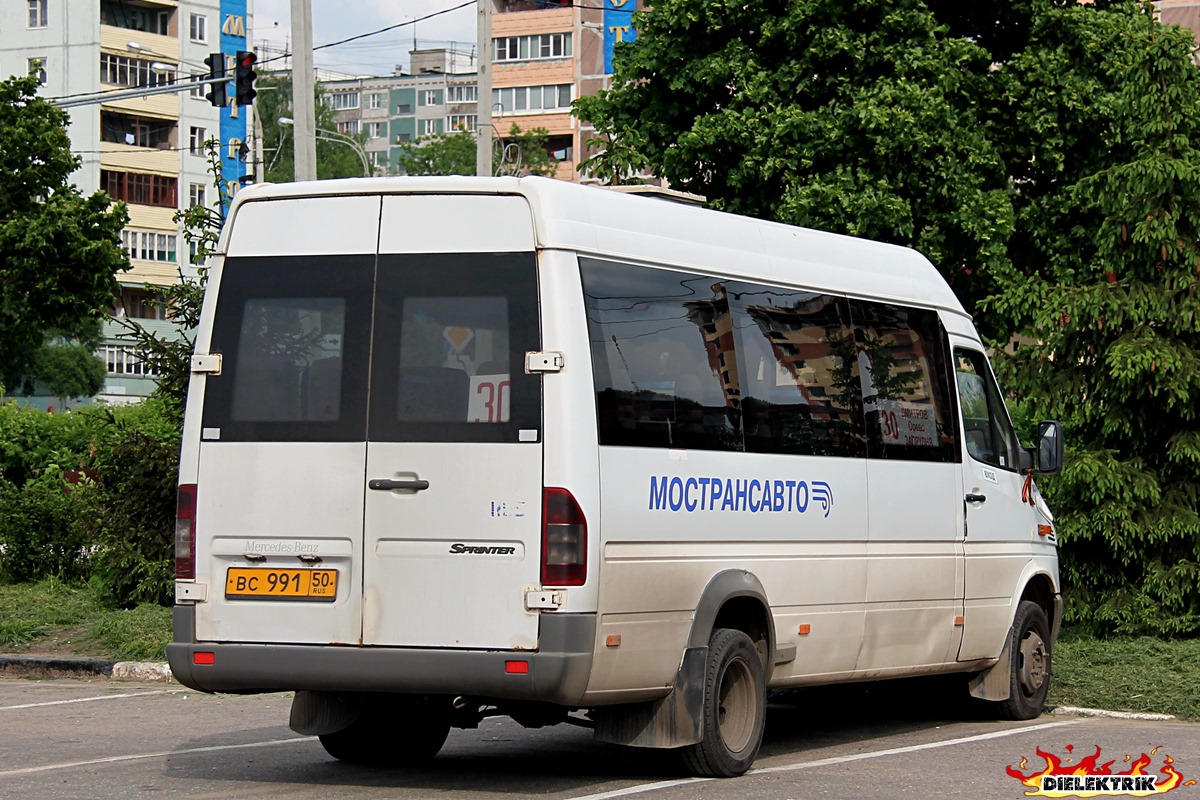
[(54, 667), (1100, 712)]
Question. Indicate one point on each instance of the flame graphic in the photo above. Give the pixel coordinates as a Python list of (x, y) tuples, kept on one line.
[(1091, 765)]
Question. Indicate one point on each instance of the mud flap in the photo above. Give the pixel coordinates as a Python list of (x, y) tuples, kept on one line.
[(995, 682), (673, 721)]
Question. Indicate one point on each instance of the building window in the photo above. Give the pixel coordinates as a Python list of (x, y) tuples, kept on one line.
[(349, 128), (525, 99), (132, 72), (136, 131), (197, 195), (426, 127), (532, 48), (461, 94), (430, 97), (37, 67), (378, 159), (344, 101), (149, 246), (403, 137), (376, 101), (135, 187), (121, 14), (196, 141), (404, 108), (38, 13), (198, 28), (123, 360), (200, 89), (374, 130), (461, 122)]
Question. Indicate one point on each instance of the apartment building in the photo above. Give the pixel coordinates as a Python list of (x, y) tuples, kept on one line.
[(439, 96), (147, 151), (547, 53)]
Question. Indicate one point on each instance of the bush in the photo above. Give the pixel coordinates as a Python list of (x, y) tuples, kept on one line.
[(91, 492), (135, 558), (46, 528)]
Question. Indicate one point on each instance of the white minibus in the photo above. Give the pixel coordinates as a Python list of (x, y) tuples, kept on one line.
[(457, 447)]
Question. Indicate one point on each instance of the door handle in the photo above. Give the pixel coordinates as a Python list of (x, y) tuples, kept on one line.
[(976, 498), (387, 485)]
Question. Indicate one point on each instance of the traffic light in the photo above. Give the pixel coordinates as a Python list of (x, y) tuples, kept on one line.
[(216, 93), (245, 77)]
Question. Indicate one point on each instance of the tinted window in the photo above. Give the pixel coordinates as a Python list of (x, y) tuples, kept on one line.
[(800, 384), (662, 350), (451, 334), (903, 370), (293, 335), (990, 436)]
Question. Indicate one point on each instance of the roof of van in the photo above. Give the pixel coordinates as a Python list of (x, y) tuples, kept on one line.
[(590, 219)]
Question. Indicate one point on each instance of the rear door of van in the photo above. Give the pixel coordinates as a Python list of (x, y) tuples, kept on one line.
[(370, 457)]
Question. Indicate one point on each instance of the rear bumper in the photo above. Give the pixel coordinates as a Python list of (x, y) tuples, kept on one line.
[(558, 670)]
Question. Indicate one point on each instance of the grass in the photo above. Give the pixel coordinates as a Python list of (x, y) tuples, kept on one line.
[(1128, 674), (1121, 674), (54, 618)]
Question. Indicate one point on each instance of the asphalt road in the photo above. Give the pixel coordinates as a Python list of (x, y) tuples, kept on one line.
[(102, 739)]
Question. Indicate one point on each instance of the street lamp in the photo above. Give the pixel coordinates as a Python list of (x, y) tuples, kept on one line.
[(334, 136)]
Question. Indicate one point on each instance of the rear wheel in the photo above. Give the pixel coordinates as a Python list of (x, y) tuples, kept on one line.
[(1029, 663), (392, 731), (735, 703)]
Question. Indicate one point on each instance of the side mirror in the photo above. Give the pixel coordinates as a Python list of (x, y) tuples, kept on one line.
[(1049, 448)]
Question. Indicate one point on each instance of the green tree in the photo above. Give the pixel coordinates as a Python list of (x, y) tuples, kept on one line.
[(70, 369), (858, 116), (439, 154), (334, 159), (1107, 285), (59, 251)]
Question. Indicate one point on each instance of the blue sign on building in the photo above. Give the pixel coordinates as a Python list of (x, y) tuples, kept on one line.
[(618, 27), (233, 119)]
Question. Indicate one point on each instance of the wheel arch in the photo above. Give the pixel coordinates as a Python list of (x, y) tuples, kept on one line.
[(735, 598)]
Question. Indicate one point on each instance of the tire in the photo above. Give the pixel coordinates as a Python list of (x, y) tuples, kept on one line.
[(391, 731), (735, 708), (1029, 664)]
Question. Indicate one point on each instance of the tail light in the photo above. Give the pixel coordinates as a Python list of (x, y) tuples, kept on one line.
[(564, 540), (185, 532)]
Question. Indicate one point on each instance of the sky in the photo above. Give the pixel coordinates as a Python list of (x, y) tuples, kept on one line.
[(376, 55)]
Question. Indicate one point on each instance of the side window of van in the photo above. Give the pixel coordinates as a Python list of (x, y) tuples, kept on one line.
[(903, 370), (800, 383), (451, 333), (293, 334), (662, 349), (989, 433)]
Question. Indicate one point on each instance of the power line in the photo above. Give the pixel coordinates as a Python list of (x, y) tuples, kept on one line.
[(100, 95), (376, 33)]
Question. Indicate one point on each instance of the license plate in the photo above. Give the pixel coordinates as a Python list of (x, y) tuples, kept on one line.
[(257, 583)]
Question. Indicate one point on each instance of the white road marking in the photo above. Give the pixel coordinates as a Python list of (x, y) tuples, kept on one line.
[(141, 756), (825, 762), (90, 699)]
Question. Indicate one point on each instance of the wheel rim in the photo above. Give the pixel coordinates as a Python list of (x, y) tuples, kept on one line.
[(736, 709), (1035, 663)]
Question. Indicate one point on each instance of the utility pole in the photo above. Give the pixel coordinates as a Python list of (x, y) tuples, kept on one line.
[(305, 132), (483, 116)]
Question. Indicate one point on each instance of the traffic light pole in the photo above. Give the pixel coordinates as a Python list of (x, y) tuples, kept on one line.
[(146, 91)]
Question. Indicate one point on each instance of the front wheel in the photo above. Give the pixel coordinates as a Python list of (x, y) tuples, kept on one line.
[(1029, 663), (392, 731), (735, 707)]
